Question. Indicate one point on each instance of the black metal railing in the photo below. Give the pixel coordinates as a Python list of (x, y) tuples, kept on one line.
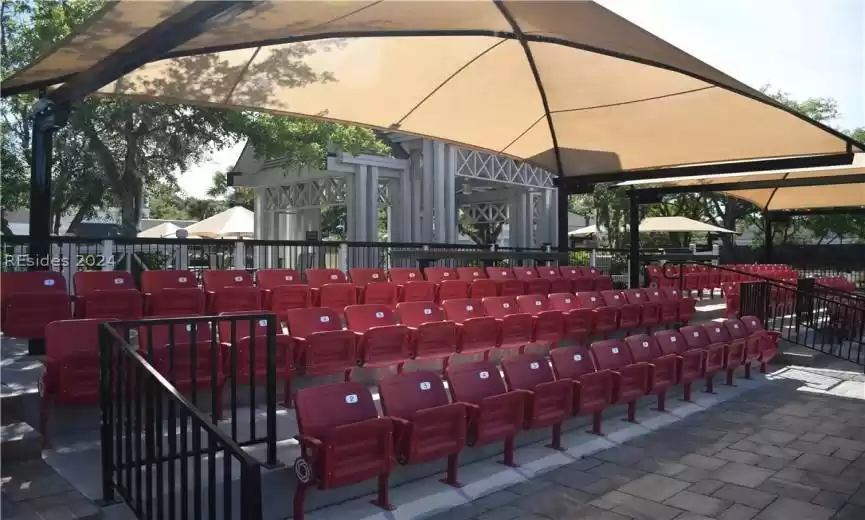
[(160, 454), (809, 315)]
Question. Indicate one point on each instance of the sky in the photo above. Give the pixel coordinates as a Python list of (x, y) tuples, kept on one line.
[(808, 48)]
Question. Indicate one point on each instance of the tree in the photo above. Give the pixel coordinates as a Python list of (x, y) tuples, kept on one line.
[(233, 195)]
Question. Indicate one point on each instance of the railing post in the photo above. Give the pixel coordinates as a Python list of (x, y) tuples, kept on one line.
[(804, 299), (271, 391), (239, 255), (343, 257), (106, 417), (250, 492), (107, 255)]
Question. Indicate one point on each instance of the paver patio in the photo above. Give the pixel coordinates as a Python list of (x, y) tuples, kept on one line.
[(781, 452)]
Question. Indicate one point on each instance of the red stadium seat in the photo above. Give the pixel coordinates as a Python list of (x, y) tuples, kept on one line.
[(30, 300), (494, 413), (731, 298), (412, 287), (714, 279), (171, 293), (602, 283), (381, 342), (343, 441), (514, 327), (690, 364), (534, 283), (431, 336), (282, 290), (579, 281), (669, 308), (106, 294), (246, 346), (628, 314), (630, 379), (476, 332), (593, 389), (686, 304), (662, 367), (766, 339), (331, 289), (558, 284), (320, 345), (479, 285), (548, 401), (427, 426), (448, 284), (734, 349), (606, 319), (71, 375), (650, 313), (230, 291), (577, 322), (508, 284), (375, 287), (713, 353), (739, 334), (549, 324)]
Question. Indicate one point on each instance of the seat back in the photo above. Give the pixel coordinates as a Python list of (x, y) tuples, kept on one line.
[(736, 328), (655, 294), (316, 277), (175, 301), (365, 275), (233, 299), (500, 306), (590, 300), (716, 332), (72, 368), (527, 371), (695, 336), (30, 281), (403, 395), (672, 293), (215, 279), (471, 273), (243, 328), (273, 278), (303, 322), (636, 296), (461, 310), (671, 341), (549, 272), (323, 407), (472, 382), (86, 282), (572, 362), (643, 347), (161, 336), (752, 324), (533, 303), (613, 298), (563, 302), (525, 273), (440, 274), (500, 273), (66, 337), (413, 314), (611, 354), (361, 318), (152, 281), (405, 274)]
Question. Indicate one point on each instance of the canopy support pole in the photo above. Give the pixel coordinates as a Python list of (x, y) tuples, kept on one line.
[(48, 117), (634, 249), (767, 238)]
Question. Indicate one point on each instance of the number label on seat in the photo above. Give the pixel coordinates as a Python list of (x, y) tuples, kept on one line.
[(289, 278), (615, 350), (324, 319), (615, 296), (118, 281), (484, 374), (333, 277), (717, 330), (696, 334), (736, 326), (379, 314), (238, 278), (672, 339), (506, 305), (182, 279), (49, 283), (578, 357), (412, 275), (534, 365), (470, 308), (538, 303), (262, 323), (593, 299), (188, 327), (425, 385), (375, 276), (427, 312), (645, 344), (636, 295), (567, 300), (351, 399)]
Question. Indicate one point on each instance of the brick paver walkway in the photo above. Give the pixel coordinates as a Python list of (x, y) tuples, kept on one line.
[(771, 454)]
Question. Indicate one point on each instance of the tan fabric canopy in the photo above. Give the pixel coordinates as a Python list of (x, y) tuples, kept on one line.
[(236, 222), (164, 230), (784, 198), (549, 82), (679, 225)]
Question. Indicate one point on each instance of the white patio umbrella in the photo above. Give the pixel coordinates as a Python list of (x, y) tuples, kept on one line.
[(164, 230), (679, 225), (236, 222), (584, 231)]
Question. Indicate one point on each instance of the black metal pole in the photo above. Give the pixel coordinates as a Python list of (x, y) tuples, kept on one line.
[(634, 227), (562, 218), (767, 238), (48, 117)]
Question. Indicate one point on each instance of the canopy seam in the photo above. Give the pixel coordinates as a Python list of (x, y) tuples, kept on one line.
[(634, 101)]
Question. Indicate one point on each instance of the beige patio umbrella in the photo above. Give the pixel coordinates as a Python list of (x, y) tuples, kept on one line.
[(584, 231), (164, 230), (679, 225), (236, 222), (507, 77)]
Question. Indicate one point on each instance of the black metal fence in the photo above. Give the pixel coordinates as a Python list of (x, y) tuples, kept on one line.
[(820, 318), (811, 260), (153, 476)]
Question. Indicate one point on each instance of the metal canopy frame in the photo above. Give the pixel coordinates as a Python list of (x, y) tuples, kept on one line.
[(645, 193)]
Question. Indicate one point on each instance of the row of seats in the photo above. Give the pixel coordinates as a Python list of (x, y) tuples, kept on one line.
[(374, 336), (345, 441), (700, 278), (31, 300)]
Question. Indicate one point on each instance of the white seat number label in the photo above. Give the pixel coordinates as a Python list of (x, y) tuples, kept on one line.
[(412, 275), (379, 314), (696, 334), (567, 300), (182, 279), (324, 319), (332, 277), (446, 274), (616, 297), (425, 385), (615, 350), (645, 344), (289, 277), (262, 323), (717, 330), (637, 295), (427, 312), (506, 306), (673, 339), (593, 299), (188, 327), (534, 365), (238, 278), (375, 276), (735, 325), (48, 283), (578, 357), (351, 399), (470, 308), (118, 281), (485, 375), (538, 303)]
